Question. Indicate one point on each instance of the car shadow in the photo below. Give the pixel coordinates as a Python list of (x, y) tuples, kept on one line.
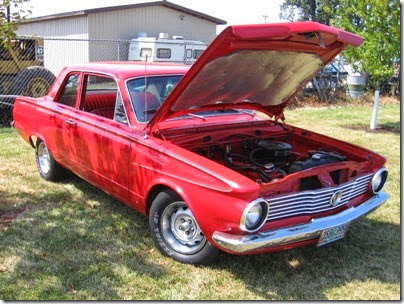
[(369, 252), (71, 250), (87, 253)]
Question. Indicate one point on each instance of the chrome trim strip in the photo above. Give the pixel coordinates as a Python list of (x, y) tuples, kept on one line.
[(309, 202), (311, 230)]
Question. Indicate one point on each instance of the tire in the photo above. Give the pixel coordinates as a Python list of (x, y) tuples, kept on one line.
[(48, 168), (33, 82), (6, 108), (176, 233)]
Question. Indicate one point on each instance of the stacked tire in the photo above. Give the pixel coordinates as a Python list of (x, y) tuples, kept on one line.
[(34, 81)]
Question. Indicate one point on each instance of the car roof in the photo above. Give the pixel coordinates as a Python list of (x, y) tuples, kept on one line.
[(128, 69)]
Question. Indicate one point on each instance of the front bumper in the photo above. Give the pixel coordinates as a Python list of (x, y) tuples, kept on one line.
[(298, 233)]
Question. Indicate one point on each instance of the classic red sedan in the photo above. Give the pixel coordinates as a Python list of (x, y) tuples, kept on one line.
[(204, 151)]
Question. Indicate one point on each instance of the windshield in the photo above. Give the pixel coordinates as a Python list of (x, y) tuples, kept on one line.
[(158, 88)]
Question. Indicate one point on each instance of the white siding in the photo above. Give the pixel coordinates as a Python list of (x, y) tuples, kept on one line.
[(72, 27), (125, 24), (58, 53)]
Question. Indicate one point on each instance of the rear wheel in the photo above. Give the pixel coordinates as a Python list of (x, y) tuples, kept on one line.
[(176, 232), (48, 168)]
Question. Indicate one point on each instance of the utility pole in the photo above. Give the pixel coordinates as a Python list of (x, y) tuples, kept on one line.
[(265, 17), (8, 14)]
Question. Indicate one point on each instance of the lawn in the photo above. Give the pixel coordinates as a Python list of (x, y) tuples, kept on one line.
[(69, 240)]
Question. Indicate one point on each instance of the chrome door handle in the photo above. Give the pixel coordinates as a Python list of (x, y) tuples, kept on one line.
[(70, 122)]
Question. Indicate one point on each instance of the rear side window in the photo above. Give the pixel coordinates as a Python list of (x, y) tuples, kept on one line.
[(69, 94)]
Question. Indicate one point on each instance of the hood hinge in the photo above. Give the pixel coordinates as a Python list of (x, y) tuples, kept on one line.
[(280, 116)]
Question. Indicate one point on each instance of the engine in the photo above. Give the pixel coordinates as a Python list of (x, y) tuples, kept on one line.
[(267, 160)]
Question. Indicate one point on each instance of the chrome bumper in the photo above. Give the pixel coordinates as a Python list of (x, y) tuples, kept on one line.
[(298, 233)]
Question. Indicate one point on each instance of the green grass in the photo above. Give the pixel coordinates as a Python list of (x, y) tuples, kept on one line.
[(71, 241)]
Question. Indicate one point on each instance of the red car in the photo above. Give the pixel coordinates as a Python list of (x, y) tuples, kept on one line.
[(204, 151)]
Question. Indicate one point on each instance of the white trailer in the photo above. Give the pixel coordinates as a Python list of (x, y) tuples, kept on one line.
[(163, 49)]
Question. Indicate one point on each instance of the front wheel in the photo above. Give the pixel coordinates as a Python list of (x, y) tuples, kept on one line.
[(176, 232)]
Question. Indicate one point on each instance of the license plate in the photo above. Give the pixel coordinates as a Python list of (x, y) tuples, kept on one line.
[(333, 234)]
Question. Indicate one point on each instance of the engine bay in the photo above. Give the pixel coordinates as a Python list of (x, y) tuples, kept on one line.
[(266, 160), (267, 152)]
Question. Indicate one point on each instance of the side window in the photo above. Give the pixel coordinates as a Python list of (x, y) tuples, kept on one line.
[(163, 53), (69, 93), (120, 114), (101, 97)]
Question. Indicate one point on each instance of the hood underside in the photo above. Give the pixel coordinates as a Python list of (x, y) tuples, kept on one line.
[(261, 77), (257, 67)]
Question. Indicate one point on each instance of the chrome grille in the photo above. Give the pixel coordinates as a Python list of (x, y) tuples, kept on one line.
[(310, 202)]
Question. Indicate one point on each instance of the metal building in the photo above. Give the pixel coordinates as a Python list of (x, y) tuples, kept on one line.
[(116, 22)]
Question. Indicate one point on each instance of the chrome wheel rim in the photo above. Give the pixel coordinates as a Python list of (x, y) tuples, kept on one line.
[(43, 158), (180, 229)]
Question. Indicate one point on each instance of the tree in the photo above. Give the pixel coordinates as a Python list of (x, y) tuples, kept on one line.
[(11, 14), (378, 22), (309, 10)]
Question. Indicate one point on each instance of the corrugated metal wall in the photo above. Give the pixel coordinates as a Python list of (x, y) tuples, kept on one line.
[(57, 53), (125, 24), (119, 24), (72, 27)]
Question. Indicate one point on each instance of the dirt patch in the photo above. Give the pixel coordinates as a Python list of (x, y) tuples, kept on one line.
[(7, 217), (383, 128)]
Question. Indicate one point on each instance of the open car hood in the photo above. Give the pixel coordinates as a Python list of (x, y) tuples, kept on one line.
[(257, 67)]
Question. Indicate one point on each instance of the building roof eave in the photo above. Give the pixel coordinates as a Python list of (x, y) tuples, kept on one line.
[(128, 6)]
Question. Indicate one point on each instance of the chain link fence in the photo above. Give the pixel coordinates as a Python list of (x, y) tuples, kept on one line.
[(31, 64)]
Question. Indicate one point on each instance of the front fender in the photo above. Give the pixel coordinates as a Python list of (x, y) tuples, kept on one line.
[(216, 195)]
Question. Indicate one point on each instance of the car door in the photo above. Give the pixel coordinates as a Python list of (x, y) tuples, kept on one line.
[(102, 135), (64, 112)]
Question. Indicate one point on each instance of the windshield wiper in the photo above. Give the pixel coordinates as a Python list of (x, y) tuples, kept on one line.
[(246, 112), (197, 116)]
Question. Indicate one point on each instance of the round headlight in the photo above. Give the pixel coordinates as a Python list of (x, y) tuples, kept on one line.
[(378, 180), (254, 215)]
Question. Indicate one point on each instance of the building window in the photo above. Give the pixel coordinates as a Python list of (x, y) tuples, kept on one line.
[(146, 52), (197, 53), (163, 53)]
